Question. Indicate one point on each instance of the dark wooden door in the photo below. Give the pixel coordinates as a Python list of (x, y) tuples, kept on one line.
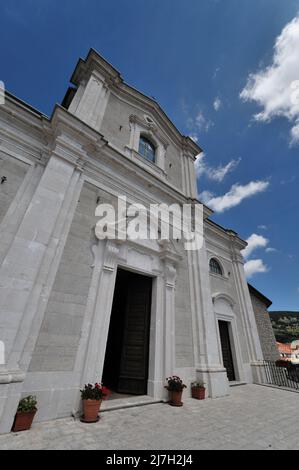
[(226, 350), (135, 349)]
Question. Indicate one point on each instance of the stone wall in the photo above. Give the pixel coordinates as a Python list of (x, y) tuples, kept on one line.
[(265, 330), (59, 336)]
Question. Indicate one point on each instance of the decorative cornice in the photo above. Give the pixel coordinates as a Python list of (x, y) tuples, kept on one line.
[(226, 234), (71, 139), (222, 295), (62, 121), (170, 275), (111, 256), (113, 79), (11, 376), (150, 127), (95, 62), (190, 148), (211, 369), (168, 252)]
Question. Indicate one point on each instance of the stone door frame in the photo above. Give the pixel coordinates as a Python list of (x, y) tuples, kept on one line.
[(157, 262), (233, 334)]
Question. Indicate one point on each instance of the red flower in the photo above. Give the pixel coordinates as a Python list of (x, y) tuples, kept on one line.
[(106, 392)]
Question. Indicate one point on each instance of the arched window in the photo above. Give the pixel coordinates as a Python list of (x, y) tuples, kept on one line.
[(146, 149), (215, 267)]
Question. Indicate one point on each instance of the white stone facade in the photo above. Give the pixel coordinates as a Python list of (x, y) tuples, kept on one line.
[(57, 280)]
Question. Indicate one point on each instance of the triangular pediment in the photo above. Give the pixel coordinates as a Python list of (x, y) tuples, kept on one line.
[(94, 76)]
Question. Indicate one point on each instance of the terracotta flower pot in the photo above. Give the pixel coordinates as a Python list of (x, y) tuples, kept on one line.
[(23, 420), (175, 398), (199, 393), (91, 410)]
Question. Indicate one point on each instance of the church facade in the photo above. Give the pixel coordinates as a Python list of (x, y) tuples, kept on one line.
[(75, 309)]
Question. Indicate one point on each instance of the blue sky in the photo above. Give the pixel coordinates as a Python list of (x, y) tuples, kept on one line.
[(195, 57)]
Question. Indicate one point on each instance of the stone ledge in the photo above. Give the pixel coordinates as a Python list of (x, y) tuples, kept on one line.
[(236, 384), (120, 403), (11, 376)]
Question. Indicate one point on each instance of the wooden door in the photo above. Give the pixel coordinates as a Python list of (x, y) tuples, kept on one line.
[(226, 350), (135, 349)]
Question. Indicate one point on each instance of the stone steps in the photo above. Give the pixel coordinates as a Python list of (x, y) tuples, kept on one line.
[(128, 402)]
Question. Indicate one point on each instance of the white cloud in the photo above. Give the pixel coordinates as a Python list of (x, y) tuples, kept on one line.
[(295, 133), (253, 242), (200, 120), (217, 103), (202, 123), (219, 173), (217, 70), (234, 196), (276, 88), (200, 165), (262, 227), (206, 196), (255, 266), (215, 174), (271, 250), (290, 180), (195, 123)]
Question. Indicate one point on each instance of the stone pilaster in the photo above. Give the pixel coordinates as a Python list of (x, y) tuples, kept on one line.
[(248, 318), (100, 306), (25, 268), (207, 350), (188, 174), (170, 278), (157, 340), (93, 101)]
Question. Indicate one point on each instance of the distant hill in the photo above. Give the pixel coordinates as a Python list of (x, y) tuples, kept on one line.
[(285, 326)]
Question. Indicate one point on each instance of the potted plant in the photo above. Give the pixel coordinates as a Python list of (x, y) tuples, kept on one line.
[(175, 387), (198, 390), (282, 363), (92, 396), (25, 414)]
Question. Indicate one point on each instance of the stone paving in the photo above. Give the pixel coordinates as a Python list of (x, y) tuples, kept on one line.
[(252, 417)]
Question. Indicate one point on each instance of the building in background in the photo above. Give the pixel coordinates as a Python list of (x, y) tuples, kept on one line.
[(260, 305), (289, 351), (295, 352), (285, 351)]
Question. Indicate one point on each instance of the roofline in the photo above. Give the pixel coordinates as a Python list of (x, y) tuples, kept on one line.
[(112, 71), (118, 79), (82, 61), (226, 231), (261, 296), (26, 105)]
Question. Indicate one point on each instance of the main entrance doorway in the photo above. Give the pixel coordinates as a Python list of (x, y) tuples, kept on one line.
[(127, 351), (227, 350)]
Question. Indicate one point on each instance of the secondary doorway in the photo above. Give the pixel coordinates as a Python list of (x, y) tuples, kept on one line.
[(227, 350), (127, 351)]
